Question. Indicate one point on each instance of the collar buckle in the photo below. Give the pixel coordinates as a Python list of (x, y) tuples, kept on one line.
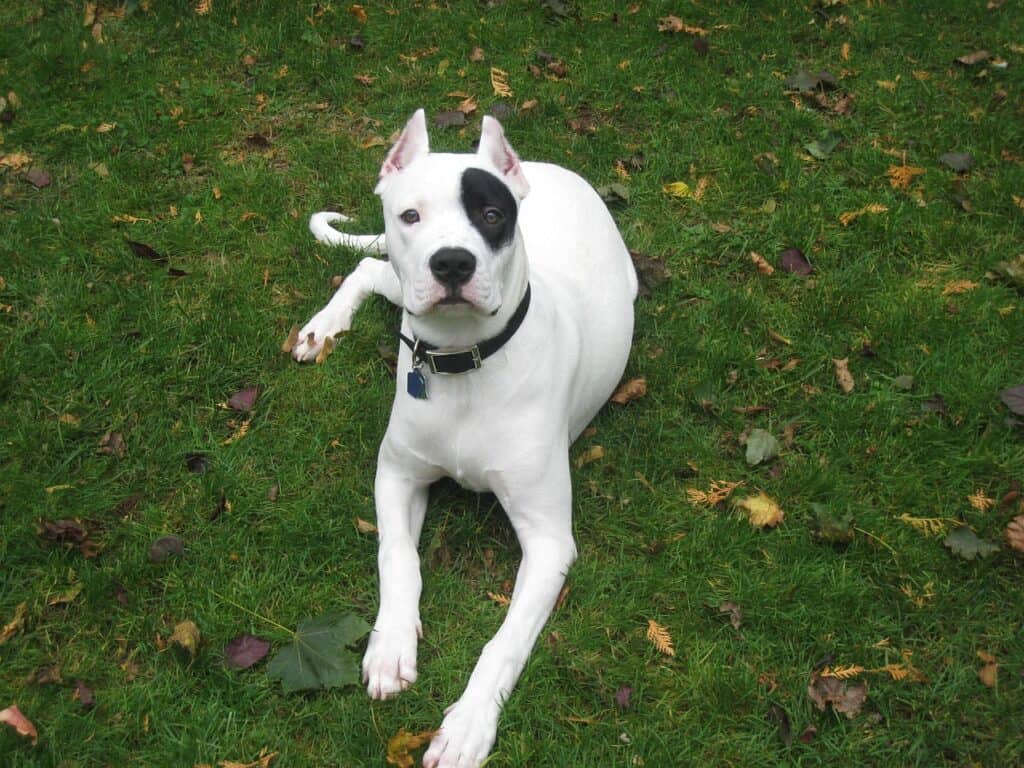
[(455, 361)]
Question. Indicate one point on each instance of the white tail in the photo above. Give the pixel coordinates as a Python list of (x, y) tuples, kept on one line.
[(320, 226)]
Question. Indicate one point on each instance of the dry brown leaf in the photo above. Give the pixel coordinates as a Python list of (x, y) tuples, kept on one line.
[(844, 52), (239, 433), (958, 287), (761, 263), (929, 526), (13, 717), (15, 160), (763, 511), (719, 491), (476, 55), (89, 14), (186, 634), (842, 673), (673, 24), (593, 453), (631, 390), (263, 761), (365, 526), (901, 176), (15, 625), (989, 671), (203, 7), (401, 745), (500, 599), (358, 12), (980, 501), (845, 698), (846, 219), (1015, 533), (293, 338), (325, 351), (499, 82), (660, 638), (843, 376)]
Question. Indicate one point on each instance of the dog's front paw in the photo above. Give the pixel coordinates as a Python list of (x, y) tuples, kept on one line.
[(465, 737), (389, 666), (315, 335)]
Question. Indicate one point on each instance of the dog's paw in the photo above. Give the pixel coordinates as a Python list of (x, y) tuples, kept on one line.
[(465, 737), (313, 336), (389, 666)]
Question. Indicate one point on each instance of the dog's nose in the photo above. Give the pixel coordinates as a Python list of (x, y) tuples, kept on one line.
[(453, 266)]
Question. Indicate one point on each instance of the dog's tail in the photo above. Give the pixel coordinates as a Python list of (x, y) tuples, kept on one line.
[(320, 226)]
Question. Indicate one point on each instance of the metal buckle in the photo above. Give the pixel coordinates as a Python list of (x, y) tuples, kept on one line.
[(433, 355)]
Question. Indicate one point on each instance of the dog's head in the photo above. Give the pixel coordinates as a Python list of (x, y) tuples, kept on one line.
[(450, 220)]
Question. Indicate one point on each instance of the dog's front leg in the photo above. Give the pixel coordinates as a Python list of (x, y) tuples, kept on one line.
[(371, 276), (389, 665), (544, 528)]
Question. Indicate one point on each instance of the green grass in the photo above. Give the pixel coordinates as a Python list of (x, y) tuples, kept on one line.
[(110, 342)]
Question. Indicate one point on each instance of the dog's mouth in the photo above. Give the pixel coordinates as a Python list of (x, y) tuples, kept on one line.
[(453, 300)]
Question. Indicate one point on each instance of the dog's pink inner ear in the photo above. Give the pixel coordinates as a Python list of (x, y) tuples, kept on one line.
[(412, 143), (495, 147)]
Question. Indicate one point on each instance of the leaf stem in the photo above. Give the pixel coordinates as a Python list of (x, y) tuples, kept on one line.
[(252, 613), (879, 540)]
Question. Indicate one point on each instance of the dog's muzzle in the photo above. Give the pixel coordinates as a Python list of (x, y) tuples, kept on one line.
[(452, 268)]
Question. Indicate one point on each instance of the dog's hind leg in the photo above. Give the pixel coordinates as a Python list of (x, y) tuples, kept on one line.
[(371, 276)]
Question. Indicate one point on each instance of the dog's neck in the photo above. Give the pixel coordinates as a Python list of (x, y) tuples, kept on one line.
[(447, 329)]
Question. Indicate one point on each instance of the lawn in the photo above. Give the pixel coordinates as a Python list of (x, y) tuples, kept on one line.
[(802, 183)]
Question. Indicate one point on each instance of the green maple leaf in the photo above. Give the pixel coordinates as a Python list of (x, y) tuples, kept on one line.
[(318, 656)]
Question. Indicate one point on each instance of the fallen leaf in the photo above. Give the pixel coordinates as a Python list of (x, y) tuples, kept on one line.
[(614, 194), (16, 624), (761, 446), (244, 399), (965, 543), (622, 697), (242, 430), (778, 716), (317, 656), (83, 694), (631, 390), (245, 651), (734, 611), (476, 55), (499, 83), (359, 12), (67, 596), (13, 717), (807, 82), (901, 176), (166, 547), (15, 160), (674, 24), (203, 7), (843, 376), (975, 57), (263, 761), (197, 463), (678, 189), (365, 527), (763, 511), (144, 251), (1014, 534), (498, 599), (325, 351), (961, 162), (980, 501), (846, 219), (822, 147), (989, 671), (651, 271), (69, 532), (831, 528), (451, 118), (844, 697), (112, 444), (719, 491), (660, 638), (1013, 398), (37, 177), (293, 338), (593, 453), (762, 265), (793, 260), (401, 745), (100, 169)]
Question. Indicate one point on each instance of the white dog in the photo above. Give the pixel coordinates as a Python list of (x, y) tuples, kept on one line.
[(516, 326)]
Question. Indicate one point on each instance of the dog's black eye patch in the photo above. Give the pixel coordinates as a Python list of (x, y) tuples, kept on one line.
[(483, 194)]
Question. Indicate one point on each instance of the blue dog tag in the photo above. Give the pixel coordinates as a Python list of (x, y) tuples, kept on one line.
[(416, 384)]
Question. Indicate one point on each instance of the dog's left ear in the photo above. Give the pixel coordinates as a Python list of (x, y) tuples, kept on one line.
[(494, 147)]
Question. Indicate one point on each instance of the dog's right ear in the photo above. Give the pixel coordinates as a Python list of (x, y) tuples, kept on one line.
[(412, 143)]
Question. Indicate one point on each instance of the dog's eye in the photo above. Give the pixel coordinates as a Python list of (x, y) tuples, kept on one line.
[(410, 216), (493, 216)]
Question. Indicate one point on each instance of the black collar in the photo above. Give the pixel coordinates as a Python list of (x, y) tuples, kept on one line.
[(468, 358)]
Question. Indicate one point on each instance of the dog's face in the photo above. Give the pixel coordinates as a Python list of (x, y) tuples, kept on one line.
[(450, 220)]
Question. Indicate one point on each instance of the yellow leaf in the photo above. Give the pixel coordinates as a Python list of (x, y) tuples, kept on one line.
[(846, 219), (15, 160), (844, 52), (889, 85), (673, 24), (263, 761), (364, 526), (1018, 201), (719, 491), (660, 638), (678, 189), (499, 82), (979, 500), (929, 526), (842, 673), (12, 627), (593, 453), (105, 127), (126, 218), (402, 743), (764, 511), (325, 351), (242, 431), (203, 7), (89, 15), (186, 634), (358, 12), (901, 176)]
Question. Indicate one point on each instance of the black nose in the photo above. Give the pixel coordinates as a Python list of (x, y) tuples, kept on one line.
[(453, 266)]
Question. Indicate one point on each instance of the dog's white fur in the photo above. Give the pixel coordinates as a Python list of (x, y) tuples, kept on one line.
[(506, 427)]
